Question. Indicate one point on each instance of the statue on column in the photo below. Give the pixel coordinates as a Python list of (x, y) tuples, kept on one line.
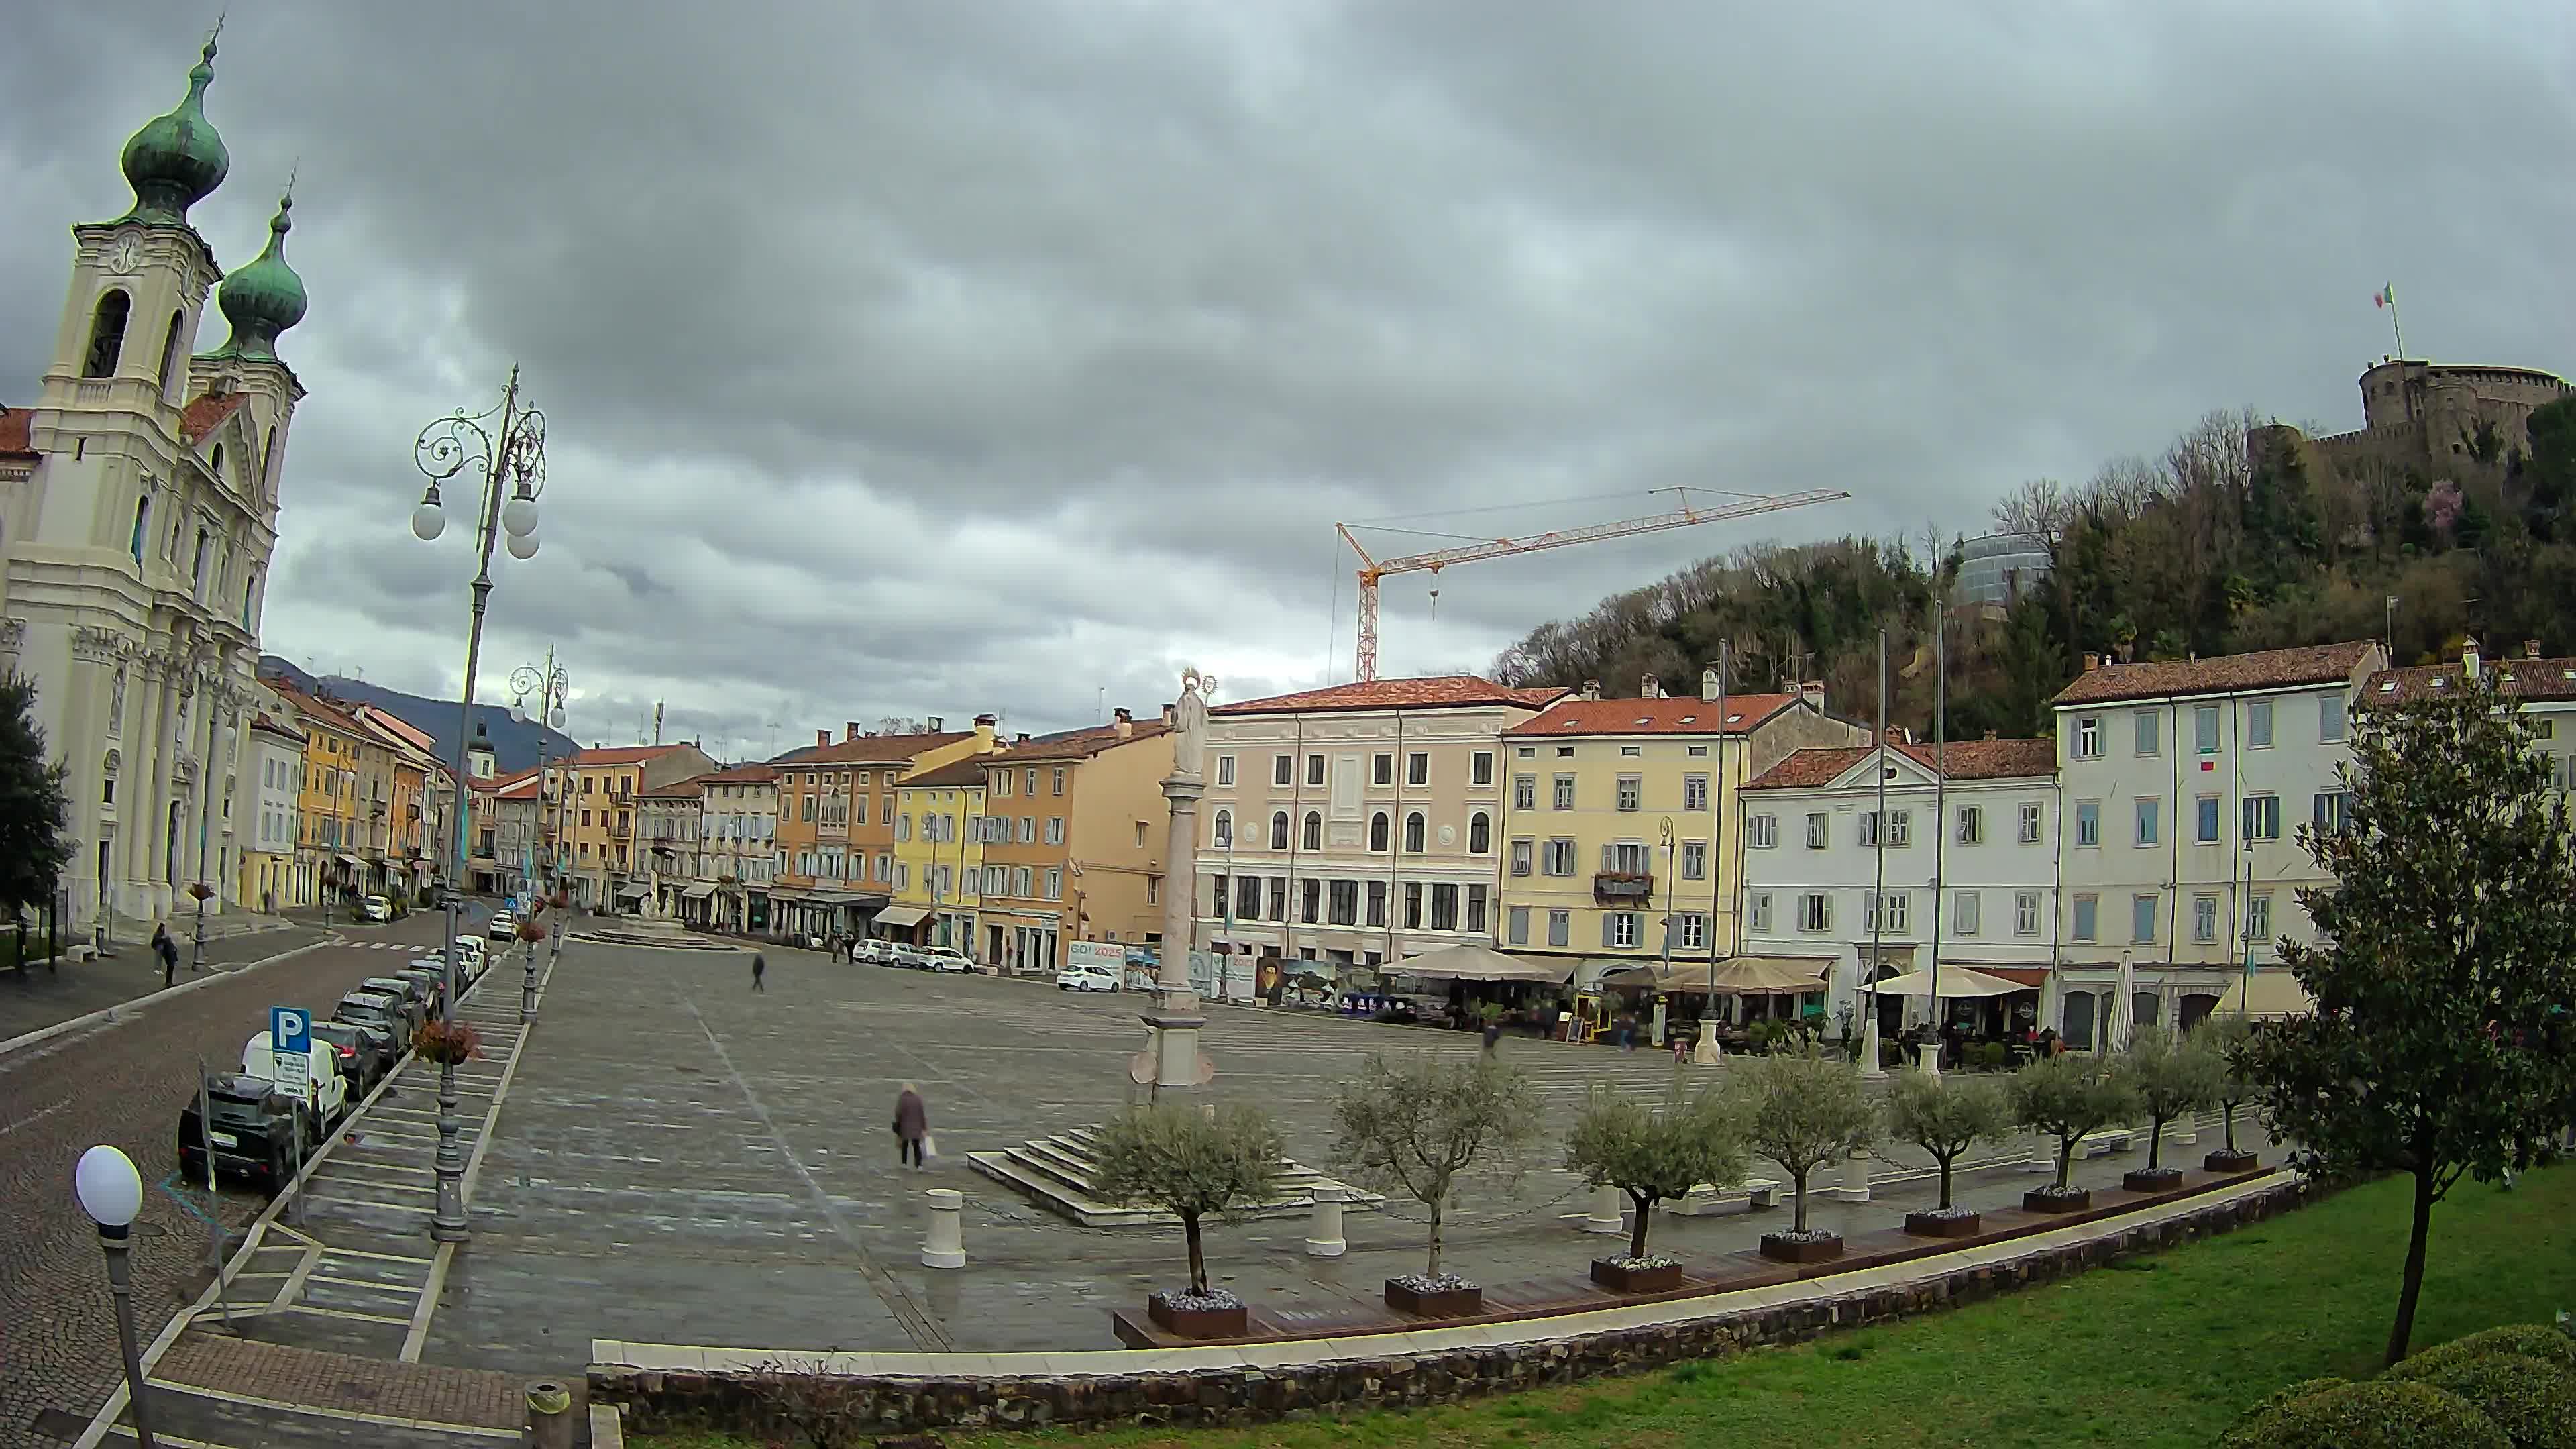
[(1189, 724)]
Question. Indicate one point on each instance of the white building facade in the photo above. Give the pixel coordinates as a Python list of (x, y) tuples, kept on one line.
[(737, 859), (1962, 868), (2184, 785), (273, 760), (138, 507)]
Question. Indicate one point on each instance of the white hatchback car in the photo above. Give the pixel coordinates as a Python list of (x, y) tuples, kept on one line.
[(1086, 978), (948, 959)]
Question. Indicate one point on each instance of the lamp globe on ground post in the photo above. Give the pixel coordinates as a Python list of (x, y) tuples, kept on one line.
[(111, 1192)]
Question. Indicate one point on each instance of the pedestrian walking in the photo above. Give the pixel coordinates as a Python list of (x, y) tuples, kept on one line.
[(167, 950), (759, 966), (1493, 1036), (911, 1126), (1627, 1031)]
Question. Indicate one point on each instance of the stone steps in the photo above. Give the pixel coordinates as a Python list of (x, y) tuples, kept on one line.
[(1058, 1172)]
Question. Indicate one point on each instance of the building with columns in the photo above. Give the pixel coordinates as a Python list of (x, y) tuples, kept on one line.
[(138, 513)]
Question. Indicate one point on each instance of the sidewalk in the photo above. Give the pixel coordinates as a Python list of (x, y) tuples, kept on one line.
[(32, 1001)]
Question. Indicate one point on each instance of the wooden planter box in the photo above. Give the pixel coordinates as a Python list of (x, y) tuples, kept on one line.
[(1199, 1322), (1925, 1225), (1793, 1250), (2049, 1202), (2225, 1161), (1610, 1275), (1446, 1303), (2160, 1179)]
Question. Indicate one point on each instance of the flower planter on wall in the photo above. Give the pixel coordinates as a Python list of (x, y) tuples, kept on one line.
[(1786, 1248), (2048, 1200), (2151, 1179), (1462, 1301), (2225, 1161), (1939, 1225), (1191, 1320), (1617, 1276)]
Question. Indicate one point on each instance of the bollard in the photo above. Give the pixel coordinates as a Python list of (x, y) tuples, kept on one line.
[(1324, 1231), (1855, 1186), (549, 1415), (2186, 1131), (946, 1247), (1605, 1216), (2043, 1154)]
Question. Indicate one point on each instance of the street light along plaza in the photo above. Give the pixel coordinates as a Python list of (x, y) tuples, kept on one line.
[(552, 688), (510, 454)]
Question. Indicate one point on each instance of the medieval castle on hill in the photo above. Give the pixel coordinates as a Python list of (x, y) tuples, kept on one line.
[(2433, 419)]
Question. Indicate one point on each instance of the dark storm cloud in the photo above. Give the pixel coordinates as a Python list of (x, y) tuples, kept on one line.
[(913, 359)]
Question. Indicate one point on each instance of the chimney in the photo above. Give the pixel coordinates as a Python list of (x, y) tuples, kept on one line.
[(2469, 657), (849, 729), (1650, 688), (1708, 685), (1172, 716), (1592, 689), (935, 724), (822, 737), (2530, 648), (1126, 723), (1022, 739), (984, 731), (1813, 692), (2092, 661)]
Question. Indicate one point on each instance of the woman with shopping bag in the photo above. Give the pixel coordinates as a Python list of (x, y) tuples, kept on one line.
[(911, 1128)]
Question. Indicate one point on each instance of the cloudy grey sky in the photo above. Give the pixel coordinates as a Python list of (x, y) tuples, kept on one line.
[(928, 358)]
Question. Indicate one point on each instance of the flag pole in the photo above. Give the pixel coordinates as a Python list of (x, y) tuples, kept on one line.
[(2388, 299)]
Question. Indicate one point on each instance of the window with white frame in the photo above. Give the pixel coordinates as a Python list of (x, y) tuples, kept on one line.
[(2088, 737), (1382, 768), (1283, 770), (1972, 825), (1694, 792), (1314, 769), (2032, 819), (2204, 918), (1757, 912), (1693, 932), (1819, 830), (1900, 827), (1558, 857), (2025, 913), (1480, 833), (2088, 822), (2332, 807), (1525, 792), (1632, 792), (2258, 725), (1966, 910), (1762, 832), (1312, 836), (2330, 719), (1563, 799), (2258, 917), (1560, 927), (1279, 830), (2204, 825), (1522, 851), (2150, 732), (1815, 912), (1225, 769), (1413, 832), (1628, 857), (2150, 820), (1480, 768), (1619, 929), (1055, 830), (1417, 768), (1694, 860), (1054, 884), (1868, 828), (2262, 817)]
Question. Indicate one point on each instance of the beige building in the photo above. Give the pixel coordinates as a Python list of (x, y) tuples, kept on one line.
[(1074, 830), (738, 850), (1358, 824)]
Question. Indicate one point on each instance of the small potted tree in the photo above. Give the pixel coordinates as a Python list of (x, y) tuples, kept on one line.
[(1945, 1116), (2226, 1037), (2065, 1097), (1651, 1155), (2168, 1077), (1417, 1128), (1804, 1108), (1193, 1162)]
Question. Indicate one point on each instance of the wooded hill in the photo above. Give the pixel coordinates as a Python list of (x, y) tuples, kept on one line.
[(2201, 550)]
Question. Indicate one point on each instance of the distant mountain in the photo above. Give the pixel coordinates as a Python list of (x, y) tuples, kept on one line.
[(514, 745)]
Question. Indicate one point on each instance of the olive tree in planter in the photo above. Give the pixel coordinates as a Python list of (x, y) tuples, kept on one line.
[(1945, 1116), (1651, 1154), (2169, 1077), (2064, 1097), (1194, 1162), (2225, 1037), (1419, 1126), (1804, 1108)]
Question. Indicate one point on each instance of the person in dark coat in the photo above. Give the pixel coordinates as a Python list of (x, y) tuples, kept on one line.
[(167, 950), (911, 1125), (759, 966)]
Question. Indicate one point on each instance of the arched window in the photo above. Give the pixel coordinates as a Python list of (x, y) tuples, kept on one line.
[(1225, 830), (1377, 831), (170, 352), (1314, 832), (268, 461), (1413, 832), (107, 335), (1279, 830), (219, 463), (1480, 833), (142, 516)]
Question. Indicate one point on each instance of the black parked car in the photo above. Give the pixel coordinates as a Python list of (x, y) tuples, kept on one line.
[(433, 985), (253, 1133), (414, 997), (366, 1054), (374, 1008)]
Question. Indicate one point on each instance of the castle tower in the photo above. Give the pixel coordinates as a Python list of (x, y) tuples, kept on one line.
[(134, 550)]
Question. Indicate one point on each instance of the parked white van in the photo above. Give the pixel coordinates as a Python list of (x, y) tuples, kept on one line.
[(469, 959), (330, 1094)]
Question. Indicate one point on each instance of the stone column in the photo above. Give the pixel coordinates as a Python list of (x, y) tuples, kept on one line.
[(1855, 1186), (946, 1245), (1175, 1018), (1324, 1231), (1607, 1205)]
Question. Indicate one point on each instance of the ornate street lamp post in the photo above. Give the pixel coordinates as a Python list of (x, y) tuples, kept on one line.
[(111, 1192), (552, 687), (510, 456)]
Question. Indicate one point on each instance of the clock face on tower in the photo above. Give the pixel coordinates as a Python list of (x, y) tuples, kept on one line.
[(128, 253)]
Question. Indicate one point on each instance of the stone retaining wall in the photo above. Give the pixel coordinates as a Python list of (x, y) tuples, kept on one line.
[(668, 1400)]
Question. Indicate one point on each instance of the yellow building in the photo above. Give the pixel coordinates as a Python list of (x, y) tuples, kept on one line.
[(329, 833), (273, 762), (596, 817), (1620, 815), (938, 855)]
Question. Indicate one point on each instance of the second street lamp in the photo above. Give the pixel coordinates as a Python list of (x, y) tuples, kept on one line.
[(507, 447)]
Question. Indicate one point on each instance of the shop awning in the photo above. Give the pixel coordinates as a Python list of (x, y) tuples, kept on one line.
[(633, 892), (352, 861), (1467, 961), (1956, 981), (903, 915), (1736, 975), (2267, 993), (698, 892)]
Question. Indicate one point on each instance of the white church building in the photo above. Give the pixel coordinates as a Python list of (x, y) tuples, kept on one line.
[(138, 512)]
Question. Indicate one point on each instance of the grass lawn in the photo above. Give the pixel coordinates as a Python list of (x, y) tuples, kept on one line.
[(2156, 1351)]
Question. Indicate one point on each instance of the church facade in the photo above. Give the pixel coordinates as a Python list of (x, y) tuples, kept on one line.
[(138, 514)]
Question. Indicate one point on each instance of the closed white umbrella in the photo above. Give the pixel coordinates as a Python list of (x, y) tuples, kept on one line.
[(2124, 1015)]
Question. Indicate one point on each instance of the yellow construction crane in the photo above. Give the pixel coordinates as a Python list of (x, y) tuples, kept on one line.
[(1373, 569)]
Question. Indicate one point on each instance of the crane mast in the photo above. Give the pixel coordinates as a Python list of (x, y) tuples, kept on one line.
[(1373, 569)]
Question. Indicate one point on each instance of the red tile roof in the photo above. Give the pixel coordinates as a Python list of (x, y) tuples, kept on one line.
[(1439, 691), (2226, 674), (1668, 716), (871, 749), (688, 789), (327, 711), (966, 773), (263, 722), (1960, 760), (620, 754), (2515, 679), (14, 424), (207, 413), (1077, 744), (742, 775)]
